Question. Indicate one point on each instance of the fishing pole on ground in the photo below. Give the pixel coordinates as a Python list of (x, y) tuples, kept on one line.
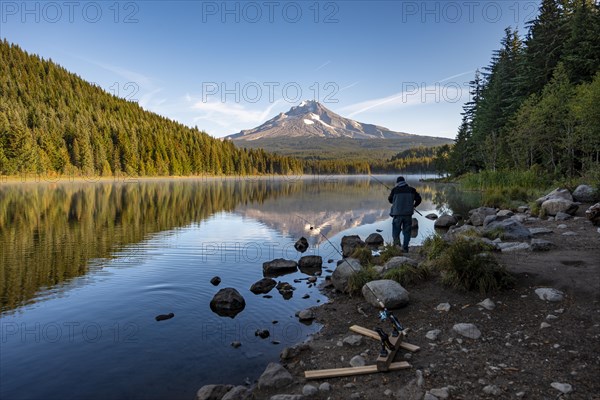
[(388, 188), (384, 314)]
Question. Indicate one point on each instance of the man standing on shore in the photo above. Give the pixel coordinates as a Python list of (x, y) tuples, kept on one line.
[(404, 199)]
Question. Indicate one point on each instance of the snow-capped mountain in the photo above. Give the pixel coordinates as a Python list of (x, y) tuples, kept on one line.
[(312, 119)]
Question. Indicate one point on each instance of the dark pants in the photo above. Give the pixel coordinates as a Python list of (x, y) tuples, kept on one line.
[(402, 223)]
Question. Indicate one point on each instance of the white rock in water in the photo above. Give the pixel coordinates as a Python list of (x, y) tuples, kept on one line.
[(488, 304), (562, 387), (443, 307), (433, 334), (467, 330), (549, 294), (544, 325)]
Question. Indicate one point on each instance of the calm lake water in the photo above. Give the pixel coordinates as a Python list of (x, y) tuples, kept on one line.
[(85, 268)]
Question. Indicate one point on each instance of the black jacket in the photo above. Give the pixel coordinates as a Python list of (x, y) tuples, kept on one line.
[(404, 199)]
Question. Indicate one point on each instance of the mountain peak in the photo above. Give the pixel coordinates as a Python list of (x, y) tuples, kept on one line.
[(311, 119)]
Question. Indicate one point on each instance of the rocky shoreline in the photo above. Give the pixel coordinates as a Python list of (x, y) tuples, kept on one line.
[(538, 340)]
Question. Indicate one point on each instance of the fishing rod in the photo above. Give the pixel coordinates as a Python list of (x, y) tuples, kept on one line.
[(384, 314), (388, 188)]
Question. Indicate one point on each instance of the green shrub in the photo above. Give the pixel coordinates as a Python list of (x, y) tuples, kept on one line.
[(434, 246), (408, 274), (467, 265), (363, 254), (358, 280)]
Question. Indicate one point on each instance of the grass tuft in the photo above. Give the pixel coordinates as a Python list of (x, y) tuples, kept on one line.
[(408, 274), (468, 265), (361, 278)]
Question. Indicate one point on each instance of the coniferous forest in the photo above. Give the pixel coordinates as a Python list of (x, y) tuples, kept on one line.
[(52, 121), (537, 104)]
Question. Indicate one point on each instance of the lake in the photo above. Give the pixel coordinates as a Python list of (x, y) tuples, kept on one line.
[(86, 267)]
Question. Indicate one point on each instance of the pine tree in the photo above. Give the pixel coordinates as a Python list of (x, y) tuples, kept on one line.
[(544, 44)]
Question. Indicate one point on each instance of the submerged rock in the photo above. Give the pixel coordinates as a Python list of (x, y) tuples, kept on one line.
[(279, 266), (301, 245), (310, 264), (374, 240), (351, 243), (263, 286), (228, 302), (163, 317)]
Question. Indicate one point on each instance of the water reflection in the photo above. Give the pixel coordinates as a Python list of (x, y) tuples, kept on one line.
[(50, 234)]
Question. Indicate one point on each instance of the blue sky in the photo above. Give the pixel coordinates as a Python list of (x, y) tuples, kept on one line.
[(227, 66)]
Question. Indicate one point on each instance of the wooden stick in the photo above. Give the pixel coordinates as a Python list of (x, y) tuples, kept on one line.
[(339, 372), (374, 335)]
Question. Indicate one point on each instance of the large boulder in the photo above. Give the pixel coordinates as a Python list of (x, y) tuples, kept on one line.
[(374, 240), (274, 377), (509, 230), (343, 272), (228, 302), (593, 214), (263, 286), (585, 194), (391, 293), (558, 205), (396, 262), (279, 267), (351, 243), (445, 221), (477, 215), (213, 392), (557, 193)]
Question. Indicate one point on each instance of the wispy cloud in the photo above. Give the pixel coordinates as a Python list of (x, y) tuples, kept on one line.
[(326, 63), (457, 75), (415, 94), (231, 114), (349, 86)]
